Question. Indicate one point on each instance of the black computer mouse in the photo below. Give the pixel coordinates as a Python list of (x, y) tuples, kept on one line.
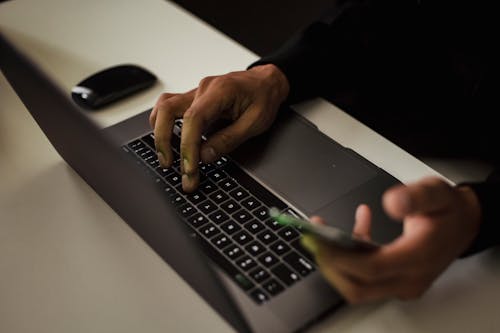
[(110, 85)]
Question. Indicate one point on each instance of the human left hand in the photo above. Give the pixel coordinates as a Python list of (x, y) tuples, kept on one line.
[(440, 222)]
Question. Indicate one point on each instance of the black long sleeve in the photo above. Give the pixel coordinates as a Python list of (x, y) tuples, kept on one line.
[(422, 73)]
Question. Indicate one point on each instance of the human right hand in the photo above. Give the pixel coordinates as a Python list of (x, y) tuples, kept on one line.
[(440, 223), (250, 99)]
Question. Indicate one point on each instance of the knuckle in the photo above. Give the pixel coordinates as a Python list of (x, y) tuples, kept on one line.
[(225, 82), (164, 97), (164, 105), (205, 82)]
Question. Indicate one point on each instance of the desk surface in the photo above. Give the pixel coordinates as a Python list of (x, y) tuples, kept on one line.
[(68, 263)]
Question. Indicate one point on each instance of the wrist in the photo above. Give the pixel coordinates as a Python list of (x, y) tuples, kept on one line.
[(276, 78)]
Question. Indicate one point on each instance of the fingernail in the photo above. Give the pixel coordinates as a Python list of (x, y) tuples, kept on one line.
[(403, 200), (309, 244), (188, 182), (161, 159), (208, 154), (185, 165)]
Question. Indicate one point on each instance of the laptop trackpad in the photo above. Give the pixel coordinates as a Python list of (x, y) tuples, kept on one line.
[(302, 164)]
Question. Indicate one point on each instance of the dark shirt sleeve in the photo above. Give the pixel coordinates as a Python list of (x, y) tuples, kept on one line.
[(488, 193), (335, 51)]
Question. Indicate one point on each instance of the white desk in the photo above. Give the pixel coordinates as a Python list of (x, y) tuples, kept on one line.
[(68, 263)]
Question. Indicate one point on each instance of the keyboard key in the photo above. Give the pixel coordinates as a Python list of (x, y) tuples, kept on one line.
[(196, 198), (175, 142), (145, 153), (259, 296), (186, 210), (221, 162), (301, 265), (250, 203), (154, 163), (227, 184), (230, 227), (209, 230), (164, 172), (197, 220), (178, 123), (233, 251), (207, 187), (259, 274), (221, 241), (219, 216), (230, 206), (288, 234), (273, 287), (242, 216), (149, 140), (255, 248), (285, 274), (246, 263), (174, 179), (242, 237), (238, 194), (177, 199), (169, 190), (268, 259), (254, 227), (207, 207), (219, 197), (261, 213), (217, 175), (267, 237), (279, 247), (273, 224), (136, 144), (206, 168)]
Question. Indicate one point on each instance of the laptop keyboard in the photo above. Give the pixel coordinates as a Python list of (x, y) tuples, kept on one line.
[(229, 217)]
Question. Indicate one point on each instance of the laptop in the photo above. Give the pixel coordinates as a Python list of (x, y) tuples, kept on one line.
[(220, 239)]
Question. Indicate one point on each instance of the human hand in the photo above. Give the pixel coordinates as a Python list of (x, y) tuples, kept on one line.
[(440, 222), (250, 99)]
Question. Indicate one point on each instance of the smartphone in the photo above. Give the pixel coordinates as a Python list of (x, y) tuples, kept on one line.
[(329, 234)]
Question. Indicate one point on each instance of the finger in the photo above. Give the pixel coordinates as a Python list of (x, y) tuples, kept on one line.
[(353, 290), (205, 109), (317, 220), (362, 222), (167, 109), (192, 129), (428, 196), (227, 139), (154, 112)]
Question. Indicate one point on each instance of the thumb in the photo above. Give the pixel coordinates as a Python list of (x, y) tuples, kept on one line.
[(229, 138), (222, 142), (429, 195)]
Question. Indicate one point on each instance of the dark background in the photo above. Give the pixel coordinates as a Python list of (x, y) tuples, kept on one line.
[(259, 25)]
